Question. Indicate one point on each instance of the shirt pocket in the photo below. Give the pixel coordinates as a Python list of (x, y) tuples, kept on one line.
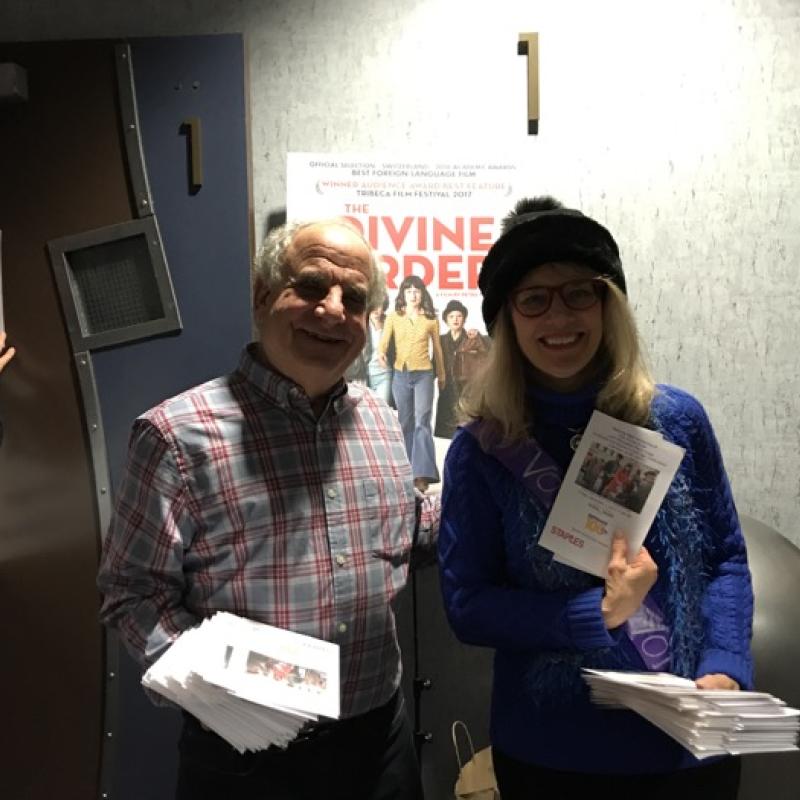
[(389, 513)]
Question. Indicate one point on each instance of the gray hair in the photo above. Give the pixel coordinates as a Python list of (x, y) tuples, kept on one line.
[(271, 267)]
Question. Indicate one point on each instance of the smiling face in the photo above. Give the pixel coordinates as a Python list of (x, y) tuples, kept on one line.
[(561, 344), (312, 328)]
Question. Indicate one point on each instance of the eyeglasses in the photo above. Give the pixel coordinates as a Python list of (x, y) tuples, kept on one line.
[(315, 286), (578, 295)]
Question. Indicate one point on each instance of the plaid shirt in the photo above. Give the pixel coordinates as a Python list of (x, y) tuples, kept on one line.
[(236, 498)]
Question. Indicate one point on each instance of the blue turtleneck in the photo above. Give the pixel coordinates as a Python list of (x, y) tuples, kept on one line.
[(558, 417)]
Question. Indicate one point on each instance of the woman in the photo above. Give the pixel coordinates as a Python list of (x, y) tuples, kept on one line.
[(463, 351), (379, 376), (367, 367), (564, 343), (414, 331), (619, 481)]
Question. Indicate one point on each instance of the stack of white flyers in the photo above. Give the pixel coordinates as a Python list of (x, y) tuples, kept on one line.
[(616, 481), (706, 723), (252, 684)]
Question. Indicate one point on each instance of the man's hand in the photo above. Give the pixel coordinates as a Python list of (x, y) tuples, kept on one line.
[(441, 382), (382, 360), (716, 680), (8, 355), (627, 583)]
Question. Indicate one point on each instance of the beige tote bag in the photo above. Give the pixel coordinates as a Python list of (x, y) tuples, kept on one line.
[(476, 779)]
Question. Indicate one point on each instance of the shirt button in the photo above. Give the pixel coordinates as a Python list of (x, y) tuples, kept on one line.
[(341, 560), (331, 493), (342, 627)]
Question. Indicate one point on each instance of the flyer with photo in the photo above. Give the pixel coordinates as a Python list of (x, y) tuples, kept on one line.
[(616, 482), (278, 668), (254, 685)]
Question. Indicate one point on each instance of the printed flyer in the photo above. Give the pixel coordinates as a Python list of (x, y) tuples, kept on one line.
[(253, 684), (616, 481), (278, 668)]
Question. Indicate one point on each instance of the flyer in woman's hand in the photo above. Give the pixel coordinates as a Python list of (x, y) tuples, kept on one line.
[(616, 481)]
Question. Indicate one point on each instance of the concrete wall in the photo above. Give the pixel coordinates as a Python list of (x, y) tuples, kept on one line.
[(675, 124)]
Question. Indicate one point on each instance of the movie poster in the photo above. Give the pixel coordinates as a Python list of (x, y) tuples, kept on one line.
[(432, 218)]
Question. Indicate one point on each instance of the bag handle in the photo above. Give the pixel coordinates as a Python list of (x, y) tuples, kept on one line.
[(458, 724)]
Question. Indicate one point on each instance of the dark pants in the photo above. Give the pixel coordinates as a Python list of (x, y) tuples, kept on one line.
[(519, 781), (370, 757)]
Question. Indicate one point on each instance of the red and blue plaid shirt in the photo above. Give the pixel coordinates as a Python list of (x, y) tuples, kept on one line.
[(237, 498)]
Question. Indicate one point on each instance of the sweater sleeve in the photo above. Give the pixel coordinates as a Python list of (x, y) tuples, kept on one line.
[(484, 605), (727, 606)]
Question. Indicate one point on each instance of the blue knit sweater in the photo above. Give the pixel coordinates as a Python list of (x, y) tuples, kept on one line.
[(502, 590)]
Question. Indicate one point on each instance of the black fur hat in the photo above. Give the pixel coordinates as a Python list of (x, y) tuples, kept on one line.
[(539, 231)]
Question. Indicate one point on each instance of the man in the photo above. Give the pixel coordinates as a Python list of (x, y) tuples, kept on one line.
[(281, 494)]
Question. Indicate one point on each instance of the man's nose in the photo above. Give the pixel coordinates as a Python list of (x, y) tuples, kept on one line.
[(331, 307)]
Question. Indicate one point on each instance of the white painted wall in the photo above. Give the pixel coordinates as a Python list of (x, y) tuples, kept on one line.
[(675, 123)]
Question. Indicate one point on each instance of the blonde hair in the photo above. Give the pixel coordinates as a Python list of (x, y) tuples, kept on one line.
[(628, 391), (497, 394)]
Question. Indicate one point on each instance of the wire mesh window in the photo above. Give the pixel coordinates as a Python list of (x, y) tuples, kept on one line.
[(116, 287)]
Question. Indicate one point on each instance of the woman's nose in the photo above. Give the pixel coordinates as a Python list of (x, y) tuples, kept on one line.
[(558, 306)]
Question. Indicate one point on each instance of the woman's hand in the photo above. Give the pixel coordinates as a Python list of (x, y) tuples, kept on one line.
[(716, 680), (627, 583), (8, 355), (382, 360)]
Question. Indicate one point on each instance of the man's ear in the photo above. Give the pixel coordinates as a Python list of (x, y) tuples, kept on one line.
[(261, 293)]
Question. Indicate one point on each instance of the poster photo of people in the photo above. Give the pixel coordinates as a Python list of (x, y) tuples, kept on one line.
[(284, 672), (615, 477), (431, 221)]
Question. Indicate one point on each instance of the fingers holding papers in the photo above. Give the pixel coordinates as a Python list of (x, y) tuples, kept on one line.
[(627, 582), (716, 680)]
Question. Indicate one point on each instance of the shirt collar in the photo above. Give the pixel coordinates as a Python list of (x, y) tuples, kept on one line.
[(285, 393)]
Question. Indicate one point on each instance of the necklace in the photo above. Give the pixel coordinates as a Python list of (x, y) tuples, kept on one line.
[(575, 439)]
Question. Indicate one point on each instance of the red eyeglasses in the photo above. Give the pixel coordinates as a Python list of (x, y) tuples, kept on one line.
[(578, 295)]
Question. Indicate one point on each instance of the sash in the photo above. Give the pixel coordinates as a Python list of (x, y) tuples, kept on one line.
[(536, 470), (649, 634), (528, 463)]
